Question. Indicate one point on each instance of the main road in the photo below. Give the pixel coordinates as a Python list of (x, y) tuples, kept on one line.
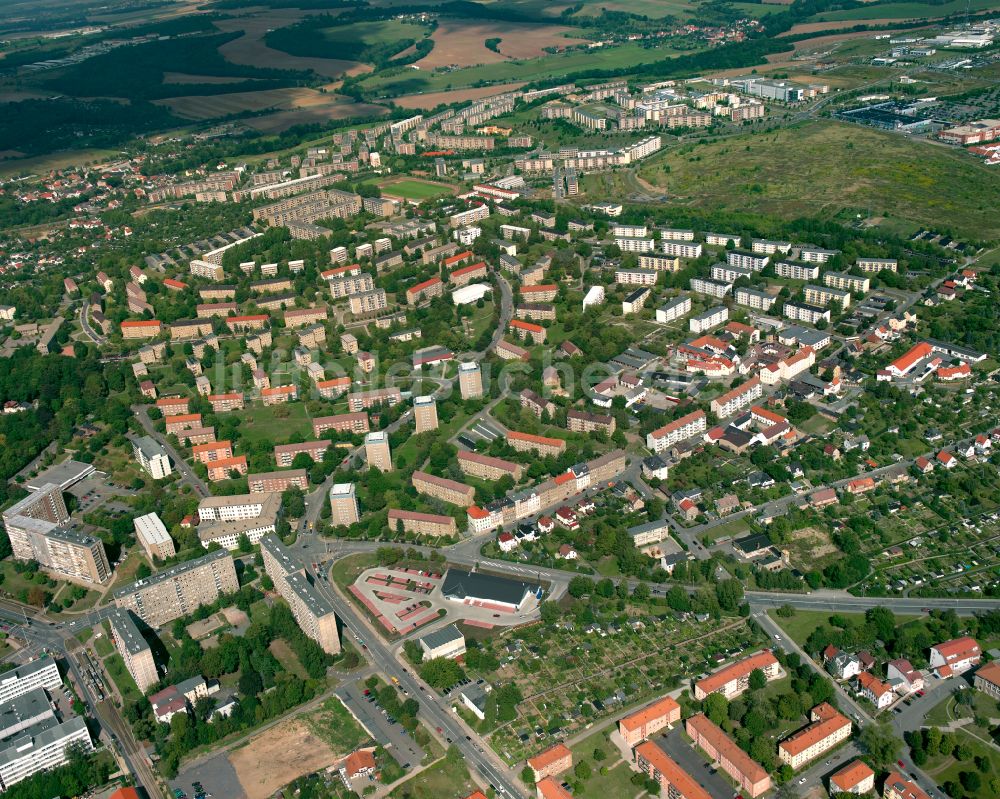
[(187, 473)]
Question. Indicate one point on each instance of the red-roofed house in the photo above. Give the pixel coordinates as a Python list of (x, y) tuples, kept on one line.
[(959, 372), (862, 485), (923, 465), (506, 542), (874, 690), (947, 460), (856, 777), (905, 363), (955, 656), (554, 760)]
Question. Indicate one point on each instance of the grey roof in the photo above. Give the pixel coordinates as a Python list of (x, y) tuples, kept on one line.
[(25, 671), (24, 710), (318, 605), (459, 584), (441, 637), (127, 632), (172, 572), (39, 736), (639, 529), (751, 543), (62, 475), (149, 446)]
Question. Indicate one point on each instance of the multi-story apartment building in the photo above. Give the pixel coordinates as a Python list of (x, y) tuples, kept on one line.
[(226, 402), (734, 679), (713, 288), (554, 760), (465, 275), (377, 454), (312, 611), (277, 482), (39, 673), (796, 271), (425, 415), (344, 510), (487, 467), (816, 255), (42, 746), (855, 778), (422, 523), (769, 247), (206, 270), (535, 311), (747, 260), (822, 296), (469, 217), (176, 592), (527, 330), (876, 264), (681, 249), (729, 274), (828, 728), (470, 380), (801, 312), (706, 320), (661, 263), (507, 351), (636, 301), (898, 787), (526, 442), (675, 309), (586, 422), (428, 289), (648, 721), (341, 423), (691, 424), (284, 454), (737, 399), (449, 491), (749, 775), (224, 520), (133, 648), (633, 244), (674, 782), (351, 284), (153, 536), (636, 277), (214, 451), (367, 302), (363, 400), (751, 298), (141, 328), (847, 282), (543, 292)]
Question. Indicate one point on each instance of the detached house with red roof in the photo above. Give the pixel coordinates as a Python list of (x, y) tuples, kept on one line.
[(856, 777), (874, 690), (923, 465), (955, 656)]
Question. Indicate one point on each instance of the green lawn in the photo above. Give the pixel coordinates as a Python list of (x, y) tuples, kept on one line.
[(733, 529), (276, 422), (104, 646), (947, 769), (123, 680), (336, 726), (617, 782), (416, 190), (446, 778), (800, 626), (889, 175)]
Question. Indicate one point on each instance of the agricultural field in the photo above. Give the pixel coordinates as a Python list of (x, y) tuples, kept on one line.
[(896, 177), (906, 10), (301, 106), (459, 43)]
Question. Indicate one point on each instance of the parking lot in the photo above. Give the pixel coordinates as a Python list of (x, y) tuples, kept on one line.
[(391, 735), (216, 776), (691, 760)]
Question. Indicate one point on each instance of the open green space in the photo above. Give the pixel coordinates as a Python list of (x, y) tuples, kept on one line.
[(907, 10), (884, 173), (336, 726), (418, 190), (947, 768), (123, 680), (448, 777), (618, 779), (800, 626), (275, 422)]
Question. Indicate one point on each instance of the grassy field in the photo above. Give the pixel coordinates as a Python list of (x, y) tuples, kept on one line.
[(123, 680), (262, 422), (800, 626), (447, 777), (417, 190), (336, 726), (946, 769), (617, 782), (907, 10), (787, 173), (534, 69)]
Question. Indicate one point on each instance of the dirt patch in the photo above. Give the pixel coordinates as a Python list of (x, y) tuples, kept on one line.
[(276, 757), (433, 99), (251, 50), (202, 629), (464, 44), (814, 543), (283, 120), (324, 106)]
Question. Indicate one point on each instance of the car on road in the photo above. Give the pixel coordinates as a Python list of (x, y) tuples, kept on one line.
[(900, 764)]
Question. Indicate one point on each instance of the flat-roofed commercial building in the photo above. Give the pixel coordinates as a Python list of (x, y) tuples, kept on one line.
[(488, 467), (448, 642), (41, 747), (312, 611), (133, 648), (270, 482), (344, 505), (176, 592), (734, 679), (828, 728), (674, 782), (751, 777), (153, 536), (649, 720), (40, 673), (422, 523), (449, 491)]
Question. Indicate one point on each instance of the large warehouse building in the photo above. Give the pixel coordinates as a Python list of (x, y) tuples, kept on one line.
[(489, 591)]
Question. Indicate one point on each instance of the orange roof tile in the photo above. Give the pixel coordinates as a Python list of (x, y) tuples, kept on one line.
[(674, 774), (551, 755), (661, 707), (852, 774), (713, 682)]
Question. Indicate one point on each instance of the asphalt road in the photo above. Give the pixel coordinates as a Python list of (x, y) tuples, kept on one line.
[(393, 737), (187, 473)]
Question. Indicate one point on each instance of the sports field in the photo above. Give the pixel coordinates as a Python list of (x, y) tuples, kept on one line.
[(417, 190)]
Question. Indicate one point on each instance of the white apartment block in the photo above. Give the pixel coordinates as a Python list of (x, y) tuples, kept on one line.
[(676, 234), (713, 317), (713, 288), (636, 301), (473, 215), (661, 263), (876, 264), (692, 424), (636, 277), (681, 249), (805, 313), (815, 255), (629, 244), (770, 247), (747, 260), (729, 274), (40, 673), (846, 282), (824, 295), (751, 298), (42, 747), (796, 271), (674, 309), (721, 239), (151, 457), (732, 402), (629, 231)]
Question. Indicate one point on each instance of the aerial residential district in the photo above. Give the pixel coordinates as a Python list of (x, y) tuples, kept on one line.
[(522, 445)]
